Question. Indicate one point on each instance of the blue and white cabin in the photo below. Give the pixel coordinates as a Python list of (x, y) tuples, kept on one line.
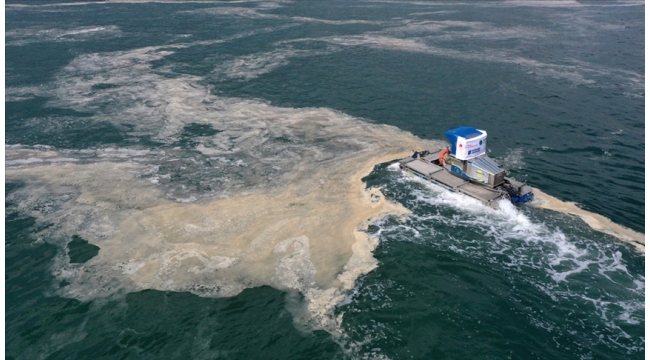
[(467, 142)]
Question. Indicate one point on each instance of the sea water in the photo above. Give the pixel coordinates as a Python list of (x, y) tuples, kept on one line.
[(181, 179)]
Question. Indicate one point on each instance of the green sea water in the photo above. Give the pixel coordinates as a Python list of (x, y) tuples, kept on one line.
[(558, 86)]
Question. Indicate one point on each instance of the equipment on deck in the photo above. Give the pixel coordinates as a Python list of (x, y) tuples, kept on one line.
[(465, 168)]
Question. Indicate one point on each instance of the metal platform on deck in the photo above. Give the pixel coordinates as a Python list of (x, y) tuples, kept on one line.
[(448, 179), (424, 168)]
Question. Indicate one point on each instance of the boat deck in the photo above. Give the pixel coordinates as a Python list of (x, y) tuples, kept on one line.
[(438, 175)]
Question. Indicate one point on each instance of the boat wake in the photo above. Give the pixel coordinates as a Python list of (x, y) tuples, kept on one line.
[(565, 262)]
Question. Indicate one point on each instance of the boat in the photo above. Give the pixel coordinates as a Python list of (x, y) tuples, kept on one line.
[(464, 167)]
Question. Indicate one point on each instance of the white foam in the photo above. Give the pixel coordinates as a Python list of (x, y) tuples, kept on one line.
[(62, 159), (121, 153), (111, 2), (394, 166), (22, 36), (231, 11), (454, 30), (23, 161), (440, 12), (252, 66), (83, 31), (520, 243), (334, 22), (519, 3)]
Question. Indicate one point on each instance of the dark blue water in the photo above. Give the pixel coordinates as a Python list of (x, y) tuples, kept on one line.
[(558, 86)]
